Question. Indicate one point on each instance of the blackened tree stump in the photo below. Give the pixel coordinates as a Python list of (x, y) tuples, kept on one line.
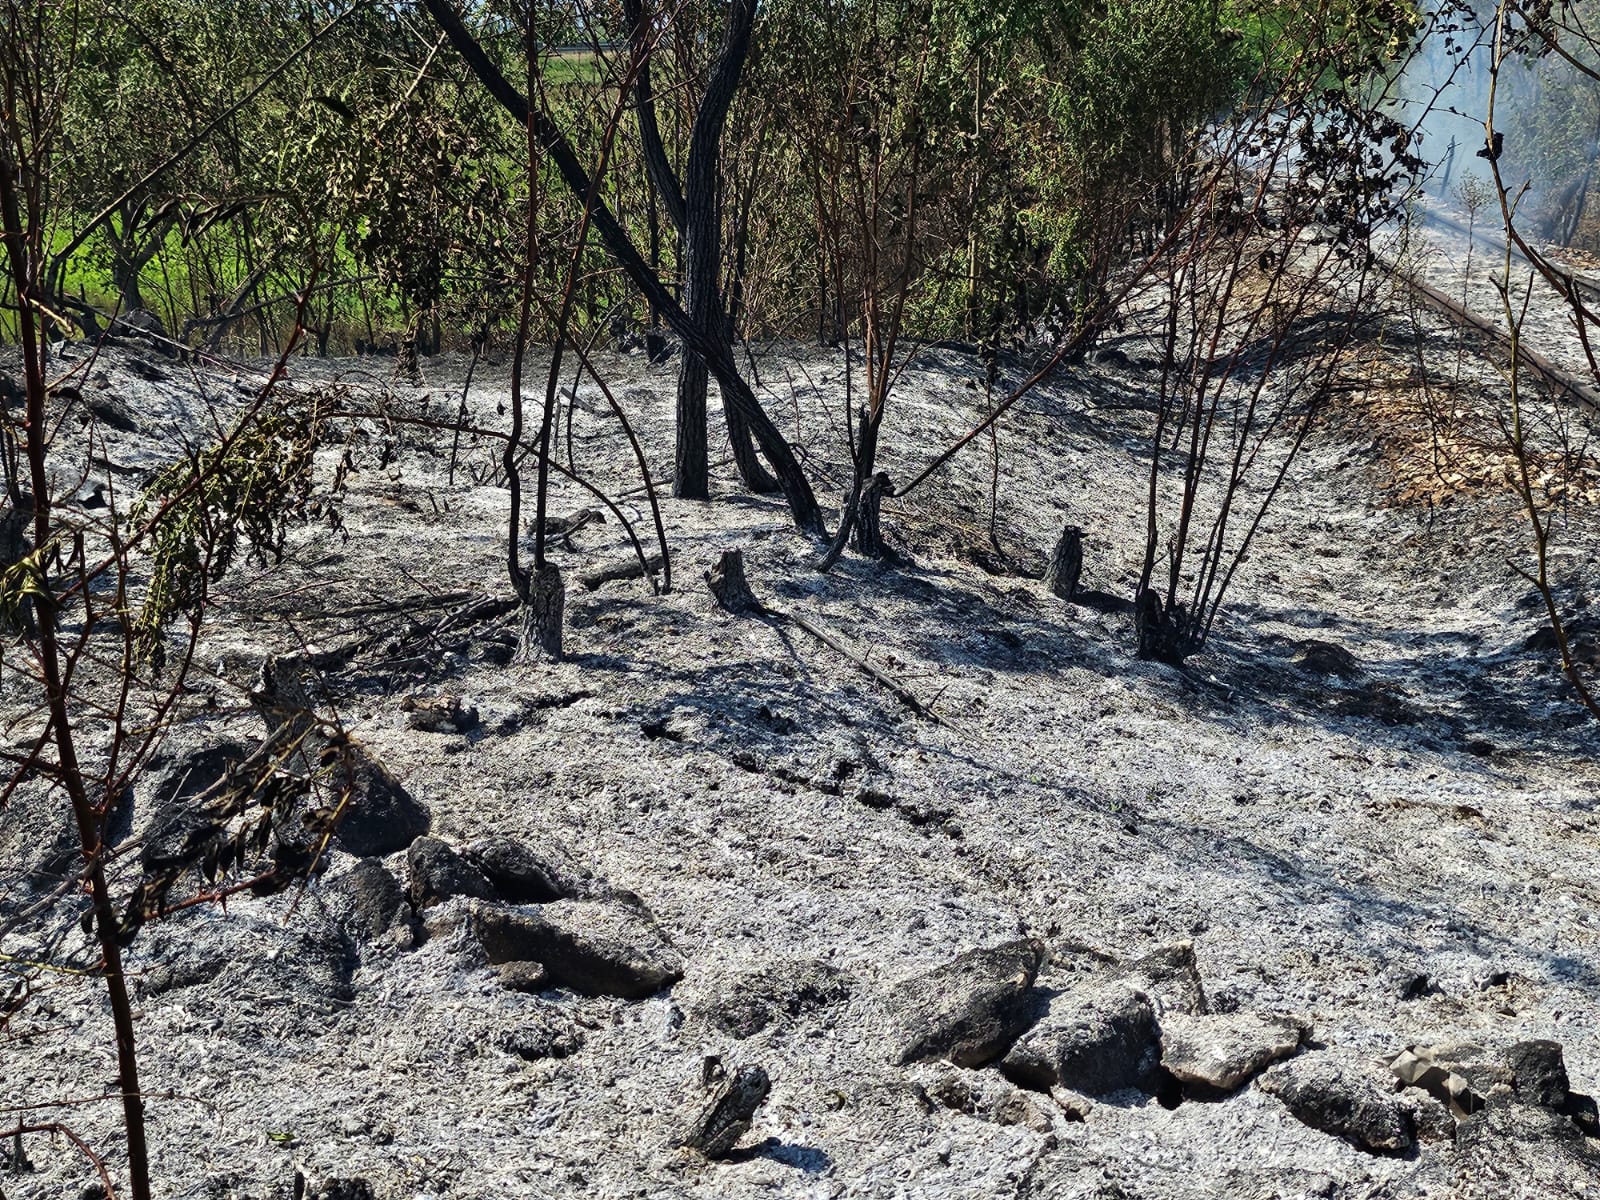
[(1066, 564), (867, 535), (730, 587), (1163, 635), (727, 1112)]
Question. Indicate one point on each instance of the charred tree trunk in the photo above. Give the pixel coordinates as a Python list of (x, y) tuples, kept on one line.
[(543, 609), (867, 491), (692, 478), (701, 249), (730, 587), (718, 355), (867, 536), (660, 170), (746, 454), (1163, 633), (695, 207)]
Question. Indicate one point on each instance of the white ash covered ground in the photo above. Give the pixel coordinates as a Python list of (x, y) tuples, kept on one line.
[(1367, 805)]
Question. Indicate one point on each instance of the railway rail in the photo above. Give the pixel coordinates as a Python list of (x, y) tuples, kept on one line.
[(1580, 386), (1585, 286)]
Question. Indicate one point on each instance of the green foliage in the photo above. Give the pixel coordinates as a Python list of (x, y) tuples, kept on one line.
[(253, 484), (1040, 132), (1331, 42), (1548, 108), (22, 585), (376, 168)]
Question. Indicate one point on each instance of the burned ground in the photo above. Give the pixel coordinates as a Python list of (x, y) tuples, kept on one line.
[(1367, 805)]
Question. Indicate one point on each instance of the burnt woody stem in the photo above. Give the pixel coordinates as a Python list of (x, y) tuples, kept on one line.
[(88, 816)]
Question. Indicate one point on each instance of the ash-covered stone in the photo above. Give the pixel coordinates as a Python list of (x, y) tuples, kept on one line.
[(371, 898), (523, 874), (1096, 1040), (1222, 1053), (436, 873), (1541, 1149), (1342, 1096), (1168, 976), (1539, 1073), (523, 976), (1458, 1075), (971, 1008), (378, 815), (1430, 1117), (440, 714), (597, 947), (545, 1034), (776, 993), (985, 1096)]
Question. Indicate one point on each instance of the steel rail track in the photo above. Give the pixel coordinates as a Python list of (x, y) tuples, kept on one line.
[(1585, 286), (1581, 390)]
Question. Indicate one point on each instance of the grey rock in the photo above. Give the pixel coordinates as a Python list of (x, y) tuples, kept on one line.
[(546, 1035), (436, 873), (112, 410), (371, 898), (492, 650), (1169, 977), (1326, 658), (725, 1116), (1539, 1073), (971, 1008), (450, 922), (379, 816), (1340, 1095), (776, 993), (1222, 1053), (181, 781), (1541, 1149), (597, 947), (1466, 1077), (179, 839), (1430, 1117), (137, 321), (440, 714), (523, 976), (983, 1095), (525, 875), (181, 824), (1096, 1040), (382, 816)]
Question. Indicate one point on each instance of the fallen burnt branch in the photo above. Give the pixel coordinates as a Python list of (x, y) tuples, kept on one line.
[(899, 690), (631, 569), (731, 588)]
